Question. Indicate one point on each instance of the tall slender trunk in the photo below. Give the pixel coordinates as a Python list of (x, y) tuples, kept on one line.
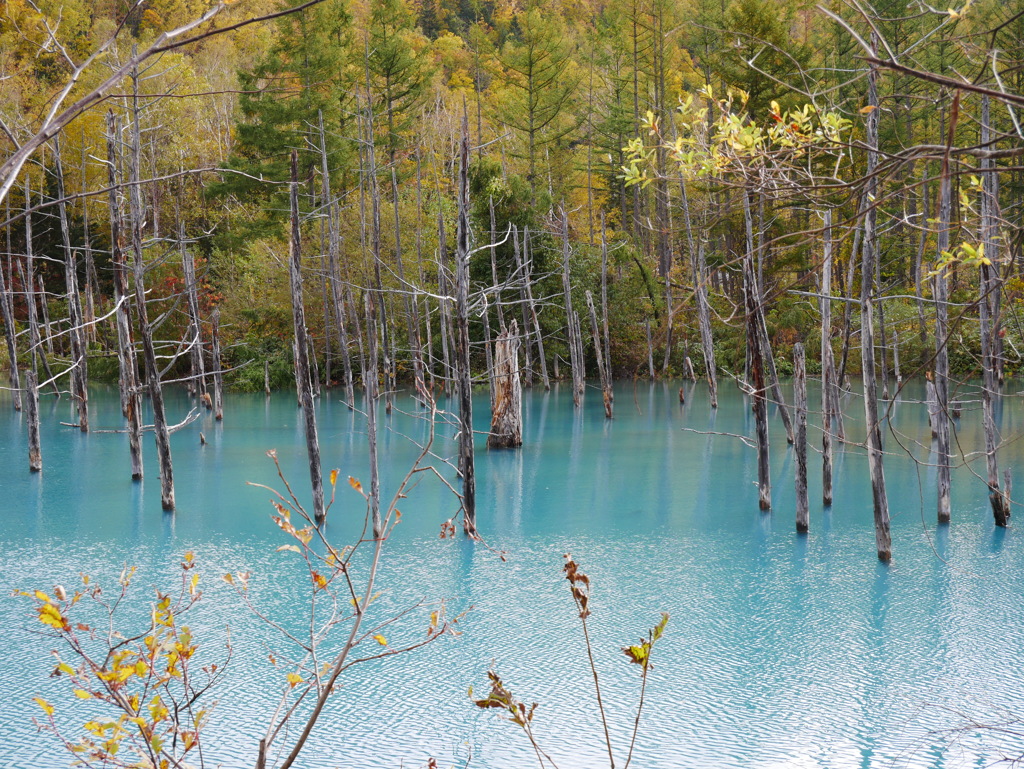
[(800, 407), (883, 538), (525, 307), (195, 325), (131, 401), (572, 328), (829, 387), (156, 397), (35, 454), (462, 373), (10, 330), (602, 366), (940, 291), (755, 353), (79, 362), (372, 395), (989, 288), (302, 373), (526, 268)]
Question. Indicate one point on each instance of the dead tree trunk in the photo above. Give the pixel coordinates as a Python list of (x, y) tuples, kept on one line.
[(156, 396), (195, 327), (650, 349), (464, 382), (606, 337), (372, 387), (989, 289), (79, 362), (800, 407), (940, 292), (10, 331), (340, 315), (507, 414), (28, 280), (218, 368), (302, 347), (883, 538), (572, 324), (602, 365), (756, 385), (525, 267), (525, 306), (131, 398), (412, 313), (35, 455), (829, 387), (445, 319), (90, 264), (698, 266)]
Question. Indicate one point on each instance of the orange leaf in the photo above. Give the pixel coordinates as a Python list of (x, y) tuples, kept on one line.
[(355, 484), (867, 109)]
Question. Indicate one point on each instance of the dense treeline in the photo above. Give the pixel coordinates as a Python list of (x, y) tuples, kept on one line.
[(562, 100)]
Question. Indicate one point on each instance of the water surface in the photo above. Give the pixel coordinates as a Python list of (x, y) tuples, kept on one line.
[(782, 650)]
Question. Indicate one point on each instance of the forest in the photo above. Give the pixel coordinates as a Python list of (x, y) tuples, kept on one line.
[(446, 196)]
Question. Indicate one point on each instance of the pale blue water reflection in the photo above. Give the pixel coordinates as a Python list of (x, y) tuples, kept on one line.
[(782, 651)]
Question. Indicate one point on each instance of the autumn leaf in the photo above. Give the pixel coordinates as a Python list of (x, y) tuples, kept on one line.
[(334, 477), (355, 484), (868, 109), (46, 706), (380, 639), (294, 679)]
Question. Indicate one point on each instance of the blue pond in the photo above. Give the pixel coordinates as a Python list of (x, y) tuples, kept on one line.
[(782, 650)]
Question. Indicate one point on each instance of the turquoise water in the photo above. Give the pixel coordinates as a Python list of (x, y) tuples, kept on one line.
[(782, 651)]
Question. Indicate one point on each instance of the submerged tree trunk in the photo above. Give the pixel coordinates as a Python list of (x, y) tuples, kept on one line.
[(301, 348), (572, 322), (79, 362), (755, 353), (218, 373), (602, 364), (131, 401), (883, 538), (10, 330), (800, 407), (462, 372), (989, 289), (940, 290), (35, 454), (507, 413), (829, 391), (156, 397), (372, 387)]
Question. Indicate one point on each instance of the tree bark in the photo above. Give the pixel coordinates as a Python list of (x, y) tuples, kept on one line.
[(79, 361), (940, 292), (301, 348), (756, 383), (572, 324), (602, 365), (131, 401), (218, 368), (161, 434), (800, 407), (462, 373), (507, 413), (829, 387), (883, 538), (525, 267), (35, 454)]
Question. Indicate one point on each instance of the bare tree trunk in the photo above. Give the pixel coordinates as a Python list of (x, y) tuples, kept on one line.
[(755, 352), (301, 348), (526, 309), (988, 289), (883, 538), (940, 292), (800, 407), (218, 368), (340, 315), (698, 266), (462, 373), (829, 388), (131, 401), (79, 362), (161, 434), (35, 455), (28, 280), (90, 265), (44, 310), (195, 325), (526, 270), (650, 348), (572, 324), (266, 378), (760, 329), (602, 366), (447, 332), (10, 330), (604, 302), (412, 314), (372, 386), (507, 414)]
